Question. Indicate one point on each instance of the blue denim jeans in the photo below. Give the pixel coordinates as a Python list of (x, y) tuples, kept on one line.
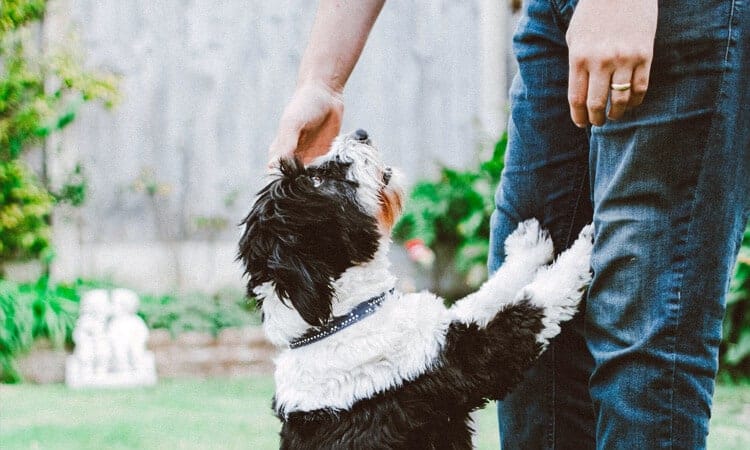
[(667, 188)]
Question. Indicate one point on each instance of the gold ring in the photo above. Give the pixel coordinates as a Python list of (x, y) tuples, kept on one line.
[(620, 87)]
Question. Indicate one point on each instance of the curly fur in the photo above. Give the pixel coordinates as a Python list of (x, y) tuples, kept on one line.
[(283, 242), (406, 377)]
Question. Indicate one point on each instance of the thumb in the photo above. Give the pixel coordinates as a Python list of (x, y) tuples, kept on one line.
[(283, 145)]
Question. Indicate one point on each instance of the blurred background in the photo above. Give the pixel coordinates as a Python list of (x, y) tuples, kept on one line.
[(173, 167), (133, 137)]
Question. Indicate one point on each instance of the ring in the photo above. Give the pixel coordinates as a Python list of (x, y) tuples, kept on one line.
[(620, 87)]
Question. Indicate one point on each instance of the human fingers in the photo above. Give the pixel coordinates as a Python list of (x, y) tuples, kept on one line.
[(598, 92), (578, 82), (282, 146), (284, 143), (620, 92), (316, 141), (310, 122), (639, 84)]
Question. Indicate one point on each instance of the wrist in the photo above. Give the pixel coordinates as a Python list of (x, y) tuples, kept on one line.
[(320, 83), (322, 75)]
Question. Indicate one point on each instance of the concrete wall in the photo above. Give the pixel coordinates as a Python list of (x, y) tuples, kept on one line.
[(203, 85)]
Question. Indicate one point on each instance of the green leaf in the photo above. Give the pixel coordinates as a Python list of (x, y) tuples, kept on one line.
[(469, 226), (739, 351)]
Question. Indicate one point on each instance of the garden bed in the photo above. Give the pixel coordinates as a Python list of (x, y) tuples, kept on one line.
[(233, 352)]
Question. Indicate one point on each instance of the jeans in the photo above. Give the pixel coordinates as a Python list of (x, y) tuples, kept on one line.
[(667, 188)]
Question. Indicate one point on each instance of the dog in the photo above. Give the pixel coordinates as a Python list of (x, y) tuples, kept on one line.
[(362, 365)]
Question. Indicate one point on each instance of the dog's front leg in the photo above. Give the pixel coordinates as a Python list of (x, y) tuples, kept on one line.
[(527, 249), (487, 359), (558, 288)]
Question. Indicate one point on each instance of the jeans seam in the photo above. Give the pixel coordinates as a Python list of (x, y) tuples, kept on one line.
[(553, 387), (721, 90), (729, 33), (555, 9), (557, 16), (680, 287), (576, 203)]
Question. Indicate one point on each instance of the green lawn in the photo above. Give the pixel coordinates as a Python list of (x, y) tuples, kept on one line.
[(218, 414)]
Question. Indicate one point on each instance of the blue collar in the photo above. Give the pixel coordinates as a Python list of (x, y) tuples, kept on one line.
[(338, 323)]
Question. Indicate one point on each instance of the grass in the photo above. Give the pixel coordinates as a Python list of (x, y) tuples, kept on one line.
[(220, 414), (184, 414)]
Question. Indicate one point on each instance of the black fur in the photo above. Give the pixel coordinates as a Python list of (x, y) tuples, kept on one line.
[(306, 228), (432, 411)]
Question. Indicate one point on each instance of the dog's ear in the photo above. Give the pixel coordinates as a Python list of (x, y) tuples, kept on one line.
[(276, 246), (305, 282), (304, 230)]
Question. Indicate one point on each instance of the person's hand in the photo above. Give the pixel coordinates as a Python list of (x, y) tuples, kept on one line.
[(310, 122), (611, 45)]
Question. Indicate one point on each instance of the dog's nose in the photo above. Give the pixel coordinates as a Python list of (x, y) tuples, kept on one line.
[(360, 135)]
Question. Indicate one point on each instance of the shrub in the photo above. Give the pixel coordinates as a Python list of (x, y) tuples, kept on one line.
[(25, 207), (452, 216), (735, 348), (16, 323), (39, 95), (30, 311), (198, 312), (16, 13)]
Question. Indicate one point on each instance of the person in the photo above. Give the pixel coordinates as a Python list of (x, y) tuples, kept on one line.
[(635, 115)]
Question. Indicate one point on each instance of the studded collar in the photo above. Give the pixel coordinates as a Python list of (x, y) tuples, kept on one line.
[(338, 323)]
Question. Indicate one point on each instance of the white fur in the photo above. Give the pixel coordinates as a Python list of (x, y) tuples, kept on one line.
[(281, 323), (397, 343), (526, 250), (366, 169), (557, 288), (403, 338)]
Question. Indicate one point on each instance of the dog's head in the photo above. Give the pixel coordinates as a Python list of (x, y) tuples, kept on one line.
[(310, 224)]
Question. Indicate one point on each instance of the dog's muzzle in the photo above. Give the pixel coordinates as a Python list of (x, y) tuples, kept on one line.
[(362, 136)]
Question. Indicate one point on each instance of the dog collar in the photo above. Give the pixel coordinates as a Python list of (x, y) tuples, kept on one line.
[(338, 323)]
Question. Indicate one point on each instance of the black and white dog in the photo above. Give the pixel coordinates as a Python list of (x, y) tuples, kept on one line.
[(361, 365)]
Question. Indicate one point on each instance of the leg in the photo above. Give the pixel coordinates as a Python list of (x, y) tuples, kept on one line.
[(546, 176), (481, 361), (527, 249), (559, 287), (670, 188)]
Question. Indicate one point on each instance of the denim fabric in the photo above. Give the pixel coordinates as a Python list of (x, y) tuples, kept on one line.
[(667, 188)]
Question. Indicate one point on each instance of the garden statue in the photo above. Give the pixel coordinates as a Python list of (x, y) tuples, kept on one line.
[(127, 333), (110, 343), (92, 353)]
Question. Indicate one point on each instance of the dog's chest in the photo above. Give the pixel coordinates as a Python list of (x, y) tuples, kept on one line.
[(398, 343)]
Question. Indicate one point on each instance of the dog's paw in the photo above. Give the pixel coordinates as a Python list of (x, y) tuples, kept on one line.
[(579, 254), (531, 242), (587, 234), (559, 288)]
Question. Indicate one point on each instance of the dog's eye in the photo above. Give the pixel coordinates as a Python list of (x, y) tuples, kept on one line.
[(317, 181)]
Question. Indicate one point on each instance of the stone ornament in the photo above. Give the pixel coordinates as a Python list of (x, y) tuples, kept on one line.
[(110, 343)]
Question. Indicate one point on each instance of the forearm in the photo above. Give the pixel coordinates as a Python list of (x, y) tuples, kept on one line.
[(338, 36)]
